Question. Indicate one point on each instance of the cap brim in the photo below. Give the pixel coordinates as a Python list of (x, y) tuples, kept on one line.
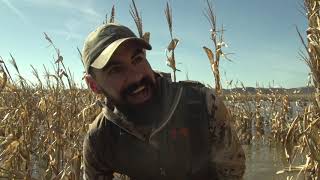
[(103, 59)]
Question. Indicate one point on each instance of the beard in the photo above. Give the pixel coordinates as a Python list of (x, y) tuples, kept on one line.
[(146, 82), (149, 88), (125, 105)]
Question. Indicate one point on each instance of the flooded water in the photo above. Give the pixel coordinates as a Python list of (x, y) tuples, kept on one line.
[(262, 163), (262, 160)]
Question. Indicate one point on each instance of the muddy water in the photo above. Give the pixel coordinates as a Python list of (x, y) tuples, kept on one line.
[(262, 160), (262, 163)]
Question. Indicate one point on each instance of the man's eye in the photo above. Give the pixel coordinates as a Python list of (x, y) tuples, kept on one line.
[(114, 70)]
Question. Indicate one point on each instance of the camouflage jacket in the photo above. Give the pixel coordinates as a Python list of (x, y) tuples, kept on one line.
[(226, 156)]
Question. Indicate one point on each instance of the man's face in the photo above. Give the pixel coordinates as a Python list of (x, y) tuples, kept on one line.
[(128, 78)]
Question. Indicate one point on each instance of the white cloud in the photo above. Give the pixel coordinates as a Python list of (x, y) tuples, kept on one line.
[(85, 7), (15, 10), (82, 12), (67, 34)]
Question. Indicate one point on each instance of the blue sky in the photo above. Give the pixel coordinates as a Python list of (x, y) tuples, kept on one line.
[(261, 34)]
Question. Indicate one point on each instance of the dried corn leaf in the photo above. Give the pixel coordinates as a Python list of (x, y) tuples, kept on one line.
[(113, 13), (146, 37), (7, 140), (5, 117), (289, 140), (11, 149), (60, 59), (209, 54), (313, 139), (173, 44), (76, 165), (47, 37), (3, 80), (42, 104)]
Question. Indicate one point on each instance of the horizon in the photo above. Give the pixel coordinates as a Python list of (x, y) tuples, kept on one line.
[(262, 36)]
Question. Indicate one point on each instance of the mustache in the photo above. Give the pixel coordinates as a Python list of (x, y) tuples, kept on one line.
[(130, 88)]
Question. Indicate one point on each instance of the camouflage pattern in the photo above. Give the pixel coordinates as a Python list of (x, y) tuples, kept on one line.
[(227, 155)]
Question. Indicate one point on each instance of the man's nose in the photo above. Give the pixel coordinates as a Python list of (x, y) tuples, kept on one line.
[(134, 75)]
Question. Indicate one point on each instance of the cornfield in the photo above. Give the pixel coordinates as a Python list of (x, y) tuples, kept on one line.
[(43, 123)]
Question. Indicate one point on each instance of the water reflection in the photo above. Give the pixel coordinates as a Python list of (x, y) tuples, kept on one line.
[(263, 161)]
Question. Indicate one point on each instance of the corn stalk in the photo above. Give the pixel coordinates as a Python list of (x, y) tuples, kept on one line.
[(171, 61), (218, 42), (138, 21)]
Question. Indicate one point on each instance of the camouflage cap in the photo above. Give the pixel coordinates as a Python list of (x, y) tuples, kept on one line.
[(104, 41)]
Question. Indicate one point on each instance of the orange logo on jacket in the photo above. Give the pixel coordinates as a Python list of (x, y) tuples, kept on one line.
[(184, 132)]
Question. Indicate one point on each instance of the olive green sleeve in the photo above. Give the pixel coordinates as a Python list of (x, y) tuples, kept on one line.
[(94, 169), (227, 158)]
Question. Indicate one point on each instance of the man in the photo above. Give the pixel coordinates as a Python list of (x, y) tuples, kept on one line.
[(151, 128)]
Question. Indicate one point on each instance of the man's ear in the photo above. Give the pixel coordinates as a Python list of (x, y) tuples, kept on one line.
[(92, 83)]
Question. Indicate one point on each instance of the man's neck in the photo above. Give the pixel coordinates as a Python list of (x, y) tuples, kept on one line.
[(144, 117)]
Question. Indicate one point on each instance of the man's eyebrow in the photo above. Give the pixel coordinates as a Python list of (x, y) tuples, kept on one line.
[(111, 64), (136, 52)]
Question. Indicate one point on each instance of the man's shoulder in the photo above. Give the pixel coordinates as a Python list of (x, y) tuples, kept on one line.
[(164, 75), (99, 137), (206, 92), (195, 89), (215, 105), (99, 128), (97, 153), (191, 83), (98, 123)]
